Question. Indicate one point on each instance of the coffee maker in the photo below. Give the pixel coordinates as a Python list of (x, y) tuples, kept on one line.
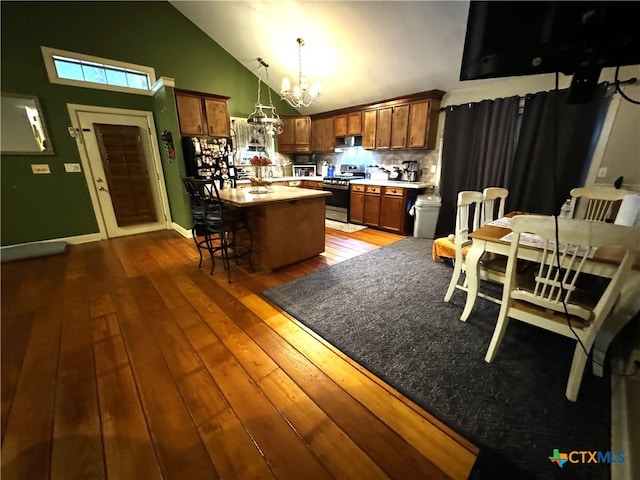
[(410, 171)]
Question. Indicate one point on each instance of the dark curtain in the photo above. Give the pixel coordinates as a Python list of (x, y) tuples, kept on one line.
[(541, 155), (477, 150)]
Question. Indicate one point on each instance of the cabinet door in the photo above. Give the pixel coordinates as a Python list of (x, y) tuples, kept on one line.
[(418, 124), (217, 117), (356, 207), (399, 126), (328, 140), (339, 125), (303, 134), (317, 135), (288, 135), (372, 205), (369, 129), (392, 209), (190, 114), (383, 128), (354, 123)]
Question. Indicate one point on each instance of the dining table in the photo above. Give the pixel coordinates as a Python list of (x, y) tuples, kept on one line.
[(494, 236)]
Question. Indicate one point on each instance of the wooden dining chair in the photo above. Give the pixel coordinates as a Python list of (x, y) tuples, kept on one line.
[(599, 202), (493, 200), (468, 208), (557, 300)]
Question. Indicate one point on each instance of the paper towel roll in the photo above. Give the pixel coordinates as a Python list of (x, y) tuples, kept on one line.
[(629, 213)]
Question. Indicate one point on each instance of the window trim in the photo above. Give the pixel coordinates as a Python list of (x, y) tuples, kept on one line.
[(48, 54)]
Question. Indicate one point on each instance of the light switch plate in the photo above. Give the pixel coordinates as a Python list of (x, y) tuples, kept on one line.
[(72, 167), (40, 168)]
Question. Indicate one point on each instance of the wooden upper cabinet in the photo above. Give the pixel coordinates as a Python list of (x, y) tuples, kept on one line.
[(402, 123), (322, 139), (399, 126), (354, 123), (217, 117), (369, 121), (340, 125), (202, 114), (190, 114), (296, 135), (418, 124), (383, 127)]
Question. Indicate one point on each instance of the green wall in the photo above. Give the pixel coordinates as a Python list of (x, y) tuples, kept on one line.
[(42, 207)]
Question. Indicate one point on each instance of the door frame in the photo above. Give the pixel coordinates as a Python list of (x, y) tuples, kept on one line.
[(164, 215)]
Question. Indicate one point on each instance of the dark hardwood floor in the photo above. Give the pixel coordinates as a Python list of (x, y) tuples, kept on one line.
[(122, 360)]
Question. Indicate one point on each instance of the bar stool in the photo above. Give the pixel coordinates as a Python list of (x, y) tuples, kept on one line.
[(216, 227)]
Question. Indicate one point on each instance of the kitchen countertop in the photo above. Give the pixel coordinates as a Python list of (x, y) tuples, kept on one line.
[(240, 197), (287, 179), (392, 183)]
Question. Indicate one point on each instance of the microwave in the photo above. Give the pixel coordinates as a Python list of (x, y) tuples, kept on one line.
[(307, 159), (304, 170)]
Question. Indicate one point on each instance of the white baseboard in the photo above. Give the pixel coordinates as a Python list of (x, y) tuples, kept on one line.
[(181, 230), (78, 239)]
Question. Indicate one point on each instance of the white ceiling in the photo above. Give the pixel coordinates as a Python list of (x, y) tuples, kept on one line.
[(361, 51)]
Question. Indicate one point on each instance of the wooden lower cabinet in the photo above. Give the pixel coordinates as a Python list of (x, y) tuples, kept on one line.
[(392, 209), (382, 207), (356, 204), (312, 184), (372, 196)]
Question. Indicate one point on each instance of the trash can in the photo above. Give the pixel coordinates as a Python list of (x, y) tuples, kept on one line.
[(427, 209)]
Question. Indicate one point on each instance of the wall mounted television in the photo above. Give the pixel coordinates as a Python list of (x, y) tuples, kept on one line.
[(505, 39)]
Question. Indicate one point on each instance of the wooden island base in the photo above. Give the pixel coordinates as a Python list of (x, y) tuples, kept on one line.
[(287, 225), (287, 232)]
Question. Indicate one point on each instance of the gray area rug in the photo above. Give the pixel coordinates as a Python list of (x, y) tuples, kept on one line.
[(385, 310)]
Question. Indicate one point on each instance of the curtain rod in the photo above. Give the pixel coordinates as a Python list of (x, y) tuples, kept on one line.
[(620, 82)]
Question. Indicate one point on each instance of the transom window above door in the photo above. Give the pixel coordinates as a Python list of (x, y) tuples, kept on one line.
[(77, 69)]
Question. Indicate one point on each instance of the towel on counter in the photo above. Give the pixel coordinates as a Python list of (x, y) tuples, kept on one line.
[(446, 248)]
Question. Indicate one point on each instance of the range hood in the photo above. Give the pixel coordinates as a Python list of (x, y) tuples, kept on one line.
[(345, 143)]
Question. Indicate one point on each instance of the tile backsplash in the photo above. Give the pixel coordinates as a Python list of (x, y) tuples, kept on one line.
[(388, 159)]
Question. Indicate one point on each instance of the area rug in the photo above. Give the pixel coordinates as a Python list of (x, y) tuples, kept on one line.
[(385, 310), (343, 227)]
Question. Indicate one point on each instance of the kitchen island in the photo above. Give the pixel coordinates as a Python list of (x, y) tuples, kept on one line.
[(287, 224)]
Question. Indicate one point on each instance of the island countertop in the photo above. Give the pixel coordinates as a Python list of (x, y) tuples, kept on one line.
[(240, 197)]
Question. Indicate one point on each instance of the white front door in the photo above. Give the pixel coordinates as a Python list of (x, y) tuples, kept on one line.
[(123, 170)]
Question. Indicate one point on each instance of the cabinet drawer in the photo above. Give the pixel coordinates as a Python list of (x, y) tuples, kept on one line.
[(393, 192), (373, 189), (357, 188)]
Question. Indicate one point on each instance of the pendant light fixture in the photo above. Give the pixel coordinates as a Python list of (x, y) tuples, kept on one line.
[(302, 94), (269, 119)]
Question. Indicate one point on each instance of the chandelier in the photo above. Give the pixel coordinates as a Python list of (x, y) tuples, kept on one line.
[(302, 95), (268, 119)]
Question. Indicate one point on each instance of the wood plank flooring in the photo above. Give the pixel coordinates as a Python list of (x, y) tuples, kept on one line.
[(122, 360)]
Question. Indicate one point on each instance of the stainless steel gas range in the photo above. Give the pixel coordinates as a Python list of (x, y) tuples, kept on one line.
[(338, 203)]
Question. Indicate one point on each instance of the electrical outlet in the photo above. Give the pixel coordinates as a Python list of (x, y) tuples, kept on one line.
[(72, 167), (40, 168), (602, 172)]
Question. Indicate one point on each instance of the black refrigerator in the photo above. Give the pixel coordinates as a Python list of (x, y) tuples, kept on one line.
[(210, 158)]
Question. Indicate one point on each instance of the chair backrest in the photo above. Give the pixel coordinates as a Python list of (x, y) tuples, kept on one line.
[(206, 206), (599, 201), (555, 288), (492, 197), (469, 202)]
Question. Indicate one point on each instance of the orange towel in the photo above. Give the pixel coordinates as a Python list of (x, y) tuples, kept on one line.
[(444, 247)]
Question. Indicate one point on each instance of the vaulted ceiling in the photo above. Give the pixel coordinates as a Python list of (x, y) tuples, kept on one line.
[(360, 51)]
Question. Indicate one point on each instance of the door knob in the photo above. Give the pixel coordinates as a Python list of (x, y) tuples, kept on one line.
[(102, 189)]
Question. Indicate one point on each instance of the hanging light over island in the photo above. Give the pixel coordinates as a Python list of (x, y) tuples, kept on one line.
[(303, 94)]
